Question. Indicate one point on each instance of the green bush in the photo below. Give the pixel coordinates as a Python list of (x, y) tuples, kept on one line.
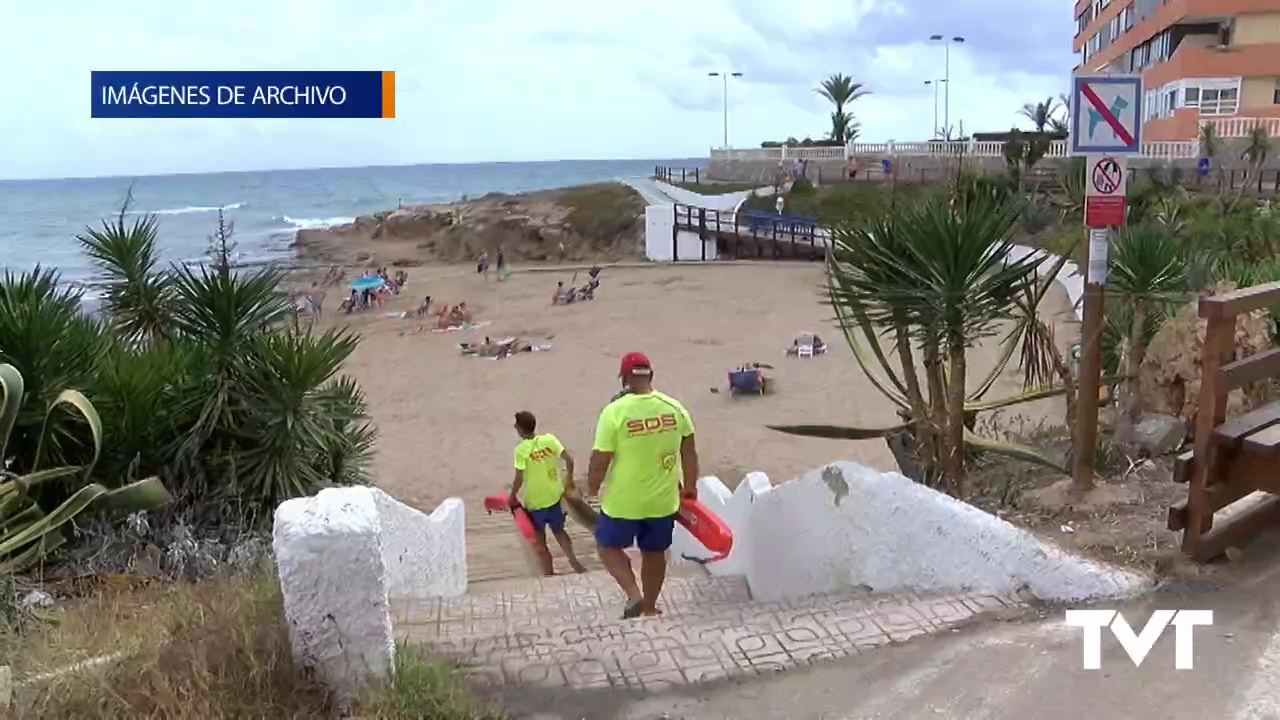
[(199, 376)]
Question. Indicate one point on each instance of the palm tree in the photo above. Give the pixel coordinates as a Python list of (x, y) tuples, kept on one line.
[(841, 90), (1041, 114), (934, 278), (1257, 150), (1149, 272)]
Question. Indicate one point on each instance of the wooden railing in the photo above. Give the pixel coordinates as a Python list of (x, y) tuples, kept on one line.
[(1230, 458)]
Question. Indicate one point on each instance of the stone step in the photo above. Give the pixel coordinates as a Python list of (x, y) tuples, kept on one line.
[(565, 632), (511, 606)]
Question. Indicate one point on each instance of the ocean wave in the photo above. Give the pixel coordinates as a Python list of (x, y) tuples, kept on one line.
[(316, 223), (188, 210)]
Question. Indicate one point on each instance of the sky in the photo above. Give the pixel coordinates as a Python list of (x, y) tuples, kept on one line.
[(515, 80)]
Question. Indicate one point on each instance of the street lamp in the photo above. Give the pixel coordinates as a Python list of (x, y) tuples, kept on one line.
[(724, 76), (935, 84), (947, 76)]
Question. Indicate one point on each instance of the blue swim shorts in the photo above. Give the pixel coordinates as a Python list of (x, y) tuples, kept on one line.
[(651, 535)]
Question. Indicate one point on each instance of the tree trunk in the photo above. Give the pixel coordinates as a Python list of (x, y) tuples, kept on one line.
[(937, 407), (1063, 371), (1133, 365), (955, 421), (919, 411)]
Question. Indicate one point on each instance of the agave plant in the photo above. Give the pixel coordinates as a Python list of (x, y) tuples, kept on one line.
[(1148, 274), (27, 531), (936, 278)]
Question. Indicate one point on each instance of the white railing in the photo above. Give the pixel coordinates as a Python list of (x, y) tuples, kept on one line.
[(1172, 150), (1242, 126)]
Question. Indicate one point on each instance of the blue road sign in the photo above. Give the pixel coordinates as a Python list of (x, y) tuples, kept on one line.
[(1106, 115)]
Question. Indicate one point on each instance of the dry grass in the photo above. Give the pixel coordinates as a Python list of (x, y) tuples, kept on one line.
[(216, 649), (605, 211)]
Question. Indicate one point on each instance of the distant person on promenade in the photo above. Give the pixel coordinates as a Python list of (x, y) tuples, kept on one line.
[(644, 443), (853, 168), (539, 487)]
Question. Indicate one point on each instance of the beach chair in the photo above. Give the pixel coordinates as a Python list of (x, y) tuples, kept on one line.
[(806, 345), (746, 381)]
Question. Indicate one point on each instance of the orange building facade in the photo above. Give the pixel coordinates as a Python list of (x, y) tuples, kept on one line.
[(1201, 61)]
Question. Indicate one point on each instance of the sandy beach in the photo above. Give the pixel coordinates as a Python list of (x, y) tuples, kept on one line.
[(445, 420)]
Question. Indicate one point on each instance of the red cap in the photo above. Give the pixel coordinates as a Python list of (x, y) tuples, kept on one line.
[(635, 363)]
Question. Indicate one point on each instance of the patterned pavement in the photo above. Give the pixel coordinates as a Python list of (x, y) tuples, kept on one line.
[(566, 631)]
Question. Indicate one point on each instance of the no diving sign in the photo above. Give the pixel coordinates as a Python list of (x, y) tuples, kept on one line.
[(1106, 179)]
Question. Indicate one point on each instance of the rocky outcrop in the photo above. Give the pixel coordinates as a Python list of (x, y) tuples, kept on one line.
[(554, 225), (1169, 381)]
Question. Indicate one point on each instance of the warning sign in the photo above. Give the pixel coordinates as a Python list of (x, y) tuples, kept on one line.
[(1105, 193), (1107, 176)]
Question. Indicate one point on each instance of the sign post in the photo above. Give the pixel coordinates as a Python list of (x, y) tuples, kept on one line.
[(1106, 127)]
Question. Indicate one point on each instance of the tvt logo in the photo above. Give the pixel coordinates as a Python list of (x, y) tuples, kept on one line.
[(1138, 645)]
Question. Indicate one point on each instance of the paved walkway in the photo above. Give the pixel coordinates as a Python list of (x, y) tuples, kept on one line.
[(564, 632)]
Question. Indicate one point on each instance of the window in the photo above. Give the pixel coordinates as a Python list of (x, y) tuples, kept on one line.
[(1275, 94), (1219, 101), (1127, 15), (1191, 97)]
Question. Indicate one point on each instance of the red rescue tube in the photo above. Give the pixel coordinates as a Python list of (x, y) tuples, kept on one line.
[(707, 528), (502, 503)]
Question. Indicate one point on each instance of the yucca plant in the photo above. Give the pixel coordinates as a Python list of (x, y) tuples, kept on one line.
[(936, 279), (1148, 274), (139, 298), (292, 420), (27, 531)]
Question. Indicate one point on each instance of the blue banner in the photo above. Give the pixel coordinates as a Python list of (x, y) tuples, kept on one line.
[(252, 94)]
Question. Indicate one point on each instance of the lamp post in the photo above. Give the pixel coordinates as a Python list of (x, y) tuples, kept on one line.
[(935, 84), (946, 103), (724, 76)]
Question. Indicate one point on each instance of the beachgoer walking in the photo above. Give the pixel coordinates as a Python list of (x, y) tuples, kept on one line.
[(539, 488), (482, 264), (502, 265), (644, 442)]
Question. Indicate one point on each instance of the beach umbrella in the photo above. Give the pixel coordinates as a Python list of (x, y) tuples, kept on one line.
[(372, 282)]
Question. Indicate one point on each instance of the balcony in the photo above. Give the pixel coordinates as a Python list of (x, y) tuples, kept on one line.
[(1191, 61)]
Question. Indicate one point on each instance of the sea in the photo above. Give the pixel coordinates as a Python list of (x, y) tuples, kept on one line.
[(40, 219)]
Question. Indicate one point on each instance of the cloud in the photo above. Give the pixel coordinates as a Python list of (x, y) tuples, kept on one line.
[(483, 80)]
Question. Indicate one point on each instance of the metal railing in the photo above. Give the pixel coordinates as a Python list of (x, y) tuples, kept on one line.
[(1172, 150), (749, 234), (673, 175)]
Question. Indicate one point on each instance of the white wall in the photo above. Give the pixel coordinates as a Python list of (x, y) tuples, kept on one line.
[(734, 508), (341, 555), (847, 526), (658, 221)]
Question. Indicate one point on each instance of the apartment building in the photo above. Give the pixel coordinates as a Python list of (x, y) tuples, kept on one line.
[(1201, 61)]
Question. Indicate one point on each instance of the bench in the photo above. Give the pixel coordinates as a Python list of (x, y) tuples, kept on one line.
[(1230, 457)]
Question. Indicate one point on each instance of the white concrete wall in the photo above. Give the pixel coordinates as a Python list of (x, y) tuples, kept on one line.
[(1069, 276), (341, 555), (658, 220), (425, 555), (847, 526), (734, 508)]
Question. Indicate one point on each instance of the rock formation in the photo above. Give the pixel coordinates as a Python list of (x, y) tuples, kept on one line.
[(1169, 381)]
